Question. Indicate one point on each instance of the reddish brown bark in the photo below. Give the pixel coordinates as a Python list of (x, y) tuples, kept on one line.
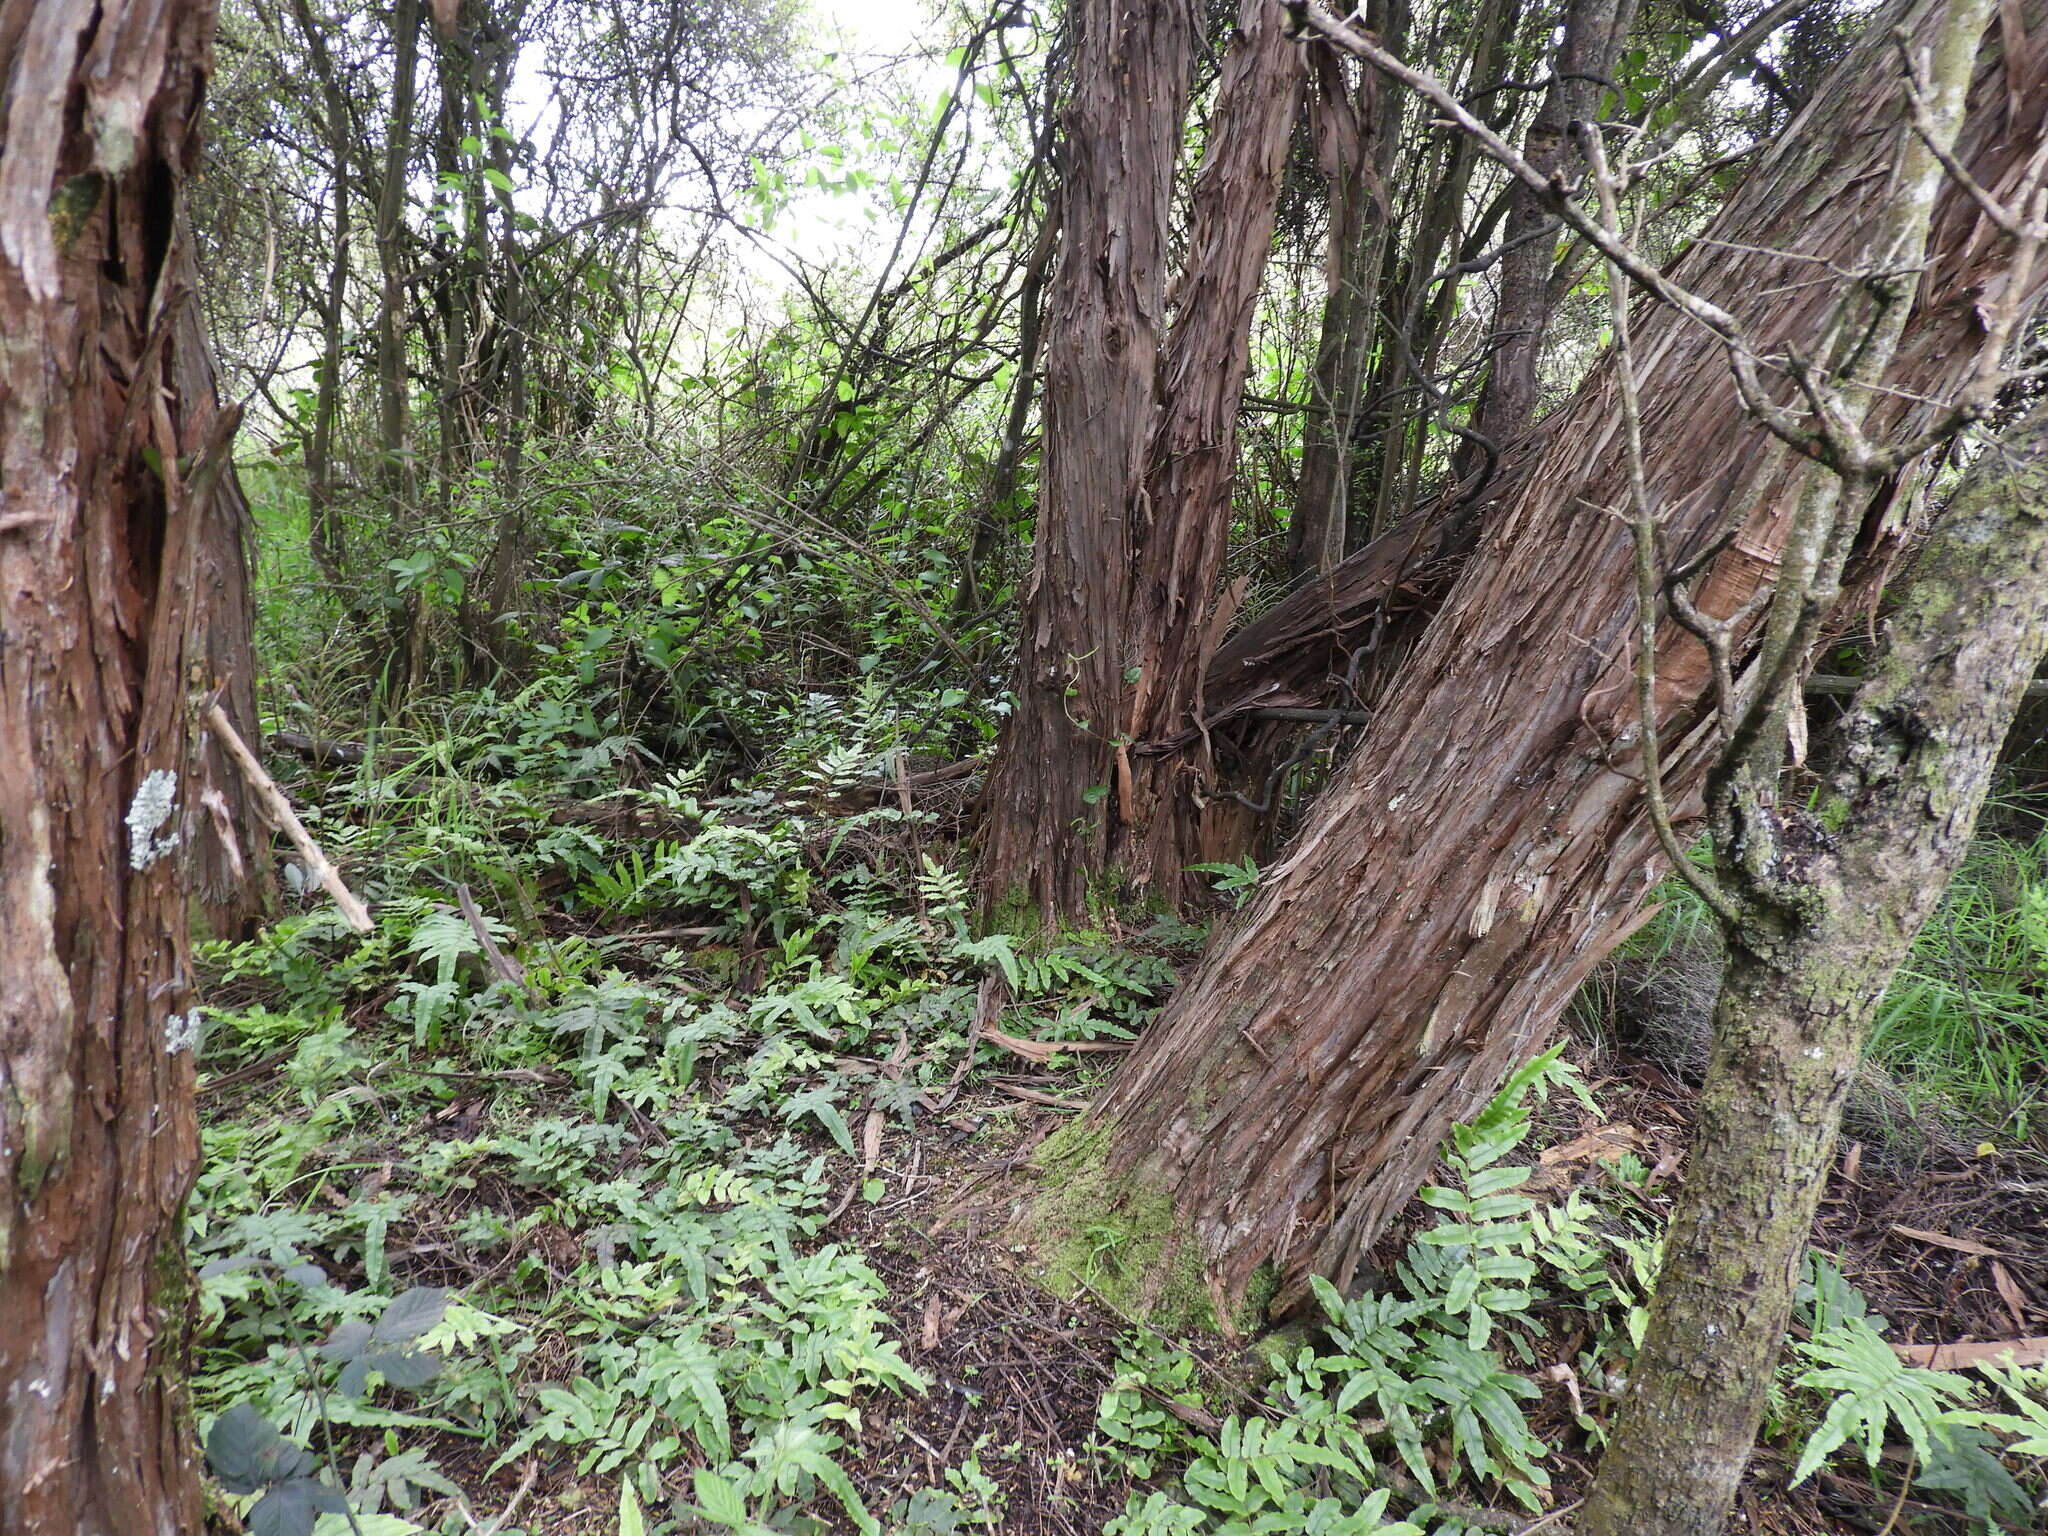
[(1486, 846), (1048, 831), (1140, 437), (1181, 520), (115, 487)]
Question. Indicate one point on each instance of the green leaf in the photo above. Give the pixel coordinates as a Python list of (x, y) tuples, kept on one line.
[(817, 1103), (1969, 1467), (412, 1313), (247, 1453), (498, 179), (721, 1500), (697, 1367), (631, 1521), (291, 1508)]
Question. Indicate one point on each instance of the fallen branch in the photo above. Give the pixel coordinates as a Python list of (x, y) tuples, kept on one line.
[(1961, 1357), (506, 968), (278, 811), (902, 785), (318, 750)]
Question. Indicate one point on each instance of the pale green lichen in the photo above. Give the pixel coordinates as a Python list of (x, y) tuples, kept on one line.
[(155, 798), (71, 206)]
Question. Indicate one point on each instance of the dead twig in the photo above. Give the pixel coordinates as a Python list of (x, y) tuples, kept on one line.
[(507, 969), (278, 811)]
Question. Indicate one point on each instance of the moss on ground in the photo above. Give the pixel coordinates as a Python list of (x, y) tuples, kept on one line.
[(1117, 1237)]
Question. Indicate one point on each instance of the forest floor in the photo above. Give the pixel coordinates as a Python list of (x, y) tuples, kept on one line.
[(693, 1122)]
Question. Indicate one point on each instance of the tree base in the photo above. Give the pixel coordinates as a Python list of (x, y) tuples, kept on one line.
[(1118, 1238)]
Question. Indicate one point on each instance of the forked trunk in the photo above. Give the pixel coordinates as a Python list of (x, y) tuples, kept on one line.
[(1120, 617), (1180, 522), (117, 540), (1048, 832), (1486, 845)]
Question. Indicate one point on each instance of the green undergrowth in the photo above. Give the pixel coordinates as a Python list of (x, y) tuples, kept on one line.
[(1960, 1042), (545, 1189), (1452, 1396), (532, 1186)]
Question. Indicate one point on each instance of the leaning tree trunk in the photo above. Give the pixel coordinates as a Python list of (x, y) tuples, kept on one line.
[(1906, 769), (112, 478), (1486, 846), (1048, 833)]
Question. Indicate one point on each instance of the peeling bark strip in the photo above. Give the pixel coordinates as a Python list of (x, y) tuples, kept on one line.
[(1486, 846), (1181, 521), (1120, 134), (120, 588)]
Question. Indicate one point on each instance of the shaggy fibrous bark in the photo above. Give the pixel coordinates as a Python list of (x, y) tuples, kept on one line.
[(1140, 435), (1488, 844), (121, 589)]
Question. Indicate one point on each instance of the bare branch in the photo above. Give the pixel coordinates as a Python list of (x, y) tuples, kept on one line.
[(1644, 522)]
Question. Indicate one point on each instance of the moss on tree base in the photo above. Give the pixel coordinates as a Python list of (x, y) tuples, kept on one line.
[(1117, 1237)]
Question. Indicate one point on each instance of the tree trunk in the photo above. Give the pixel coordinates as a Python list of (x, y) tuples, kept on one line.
[(1180, 522), (1592, 34), (1421, 310), (490, 596), (113, 481), (1355, 131), (1048, 832), (394, 434), (229, 877), (1906, 770), (1486, 846), (323, 516), (458, 283)]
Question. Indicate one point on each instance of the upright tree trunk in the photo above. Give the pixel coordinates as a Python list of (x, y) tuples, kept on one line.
[(323, 515), (459, 283), (394, 434), (1592, 35), (489, 598), (113, 474), (397, 449), (1355, 130), (1180, 521), (228, 877), (1421, 309), (1486, 846), (1906, 770), (1048, 833)]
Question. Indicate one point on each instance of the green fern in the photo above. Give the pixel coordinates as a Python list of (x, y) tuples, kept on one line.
[(1874, 1390)]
